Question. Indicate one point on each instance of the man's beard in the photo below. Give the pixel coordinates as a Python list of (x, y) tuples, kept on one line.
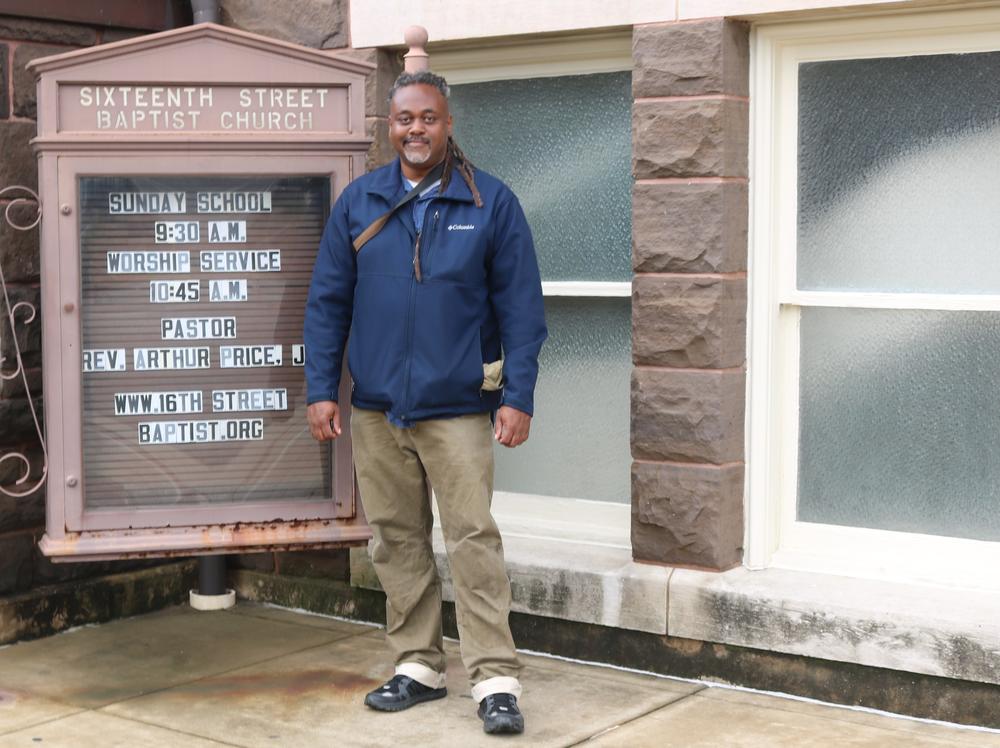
[(417, 157)]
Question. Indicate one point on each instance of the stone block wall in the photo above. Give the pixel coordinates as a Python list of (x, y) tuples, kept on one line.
[(22, 517), (317, 23), (690, 127), (389, 66)]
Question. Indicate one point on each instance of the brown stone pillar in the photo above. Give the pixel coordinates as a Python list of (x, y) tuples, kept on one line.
[(689, 226), (389, 64)]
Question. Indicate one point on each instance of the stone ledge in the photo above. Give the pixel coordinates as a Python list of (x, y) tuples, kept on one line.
[(591, 579), (306, 593), (913, 628), (50, 609), (925, 696), (846, 621)]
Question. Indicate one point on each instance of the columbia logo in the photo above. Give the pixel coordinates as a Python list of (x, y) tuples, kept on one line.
[(460, 227)]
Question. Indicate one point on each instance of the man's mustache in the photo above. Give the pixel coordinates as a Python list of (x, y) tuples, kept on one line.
[(408, 141)]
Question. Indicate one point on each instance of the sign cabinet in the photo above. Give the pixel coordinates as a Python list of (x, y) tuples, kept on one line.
[(185, 181)]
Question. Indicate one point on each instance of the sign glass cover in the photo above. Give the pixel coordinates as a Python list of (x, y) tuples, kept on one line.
[(193, 291)]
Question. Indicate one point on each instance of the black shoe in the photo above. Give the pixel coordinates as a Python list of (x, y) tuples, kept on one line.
[(500, 714), (401, 692)]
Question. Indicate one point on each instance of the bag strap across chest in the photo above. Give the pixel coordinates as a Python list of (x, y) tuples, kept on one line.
[(375, 226)]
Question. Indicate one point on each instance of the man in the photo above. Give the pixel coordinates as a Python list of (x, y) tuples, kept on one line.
[(442, 299)]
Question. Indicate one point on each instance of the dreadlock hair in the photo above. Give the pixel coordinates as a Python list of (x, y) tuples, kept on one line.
[(454, 159)]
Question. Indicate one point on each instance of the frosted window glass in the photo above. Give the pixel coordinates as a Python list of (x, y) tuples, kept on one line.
[(898, 164), (900, 421), (564, 146), (579, 442)]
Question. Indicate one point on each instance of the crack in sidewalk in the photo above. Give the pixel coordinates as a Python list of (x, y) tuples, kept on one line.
[(646, 713)]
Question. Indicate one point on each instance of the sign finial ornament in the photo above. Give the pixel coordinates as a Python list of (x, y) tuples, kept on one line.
[(416, 59)]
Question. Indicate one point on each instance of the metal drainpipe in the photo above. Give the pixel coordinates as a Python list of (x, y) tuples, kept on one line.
[(205, 11), (212, 593), (212, 575)]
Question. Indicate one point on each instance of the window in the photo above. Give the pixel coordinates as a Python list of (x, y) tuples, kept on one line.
[(563, 144), (875, 319)]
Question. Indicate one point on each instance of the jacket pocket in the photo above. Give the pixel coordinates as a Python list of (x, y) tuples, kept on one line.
[(378, 327), (446, 358)]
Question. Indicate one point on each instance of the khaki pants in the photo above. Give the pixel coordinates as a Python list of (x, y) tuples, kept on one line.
[(393, 466)]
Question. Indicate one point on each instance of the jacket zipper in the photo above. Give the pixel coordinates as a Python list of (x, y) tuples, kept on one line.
[(430, 244), (410, 322), (416, 258)]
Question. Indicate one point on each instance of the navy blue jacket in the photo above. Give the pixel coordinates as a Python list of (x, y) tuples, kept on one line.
[(417, 348)]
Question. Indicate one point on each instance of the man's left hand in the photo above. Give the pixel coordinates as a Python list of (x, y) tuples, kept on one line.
[(512, 426)]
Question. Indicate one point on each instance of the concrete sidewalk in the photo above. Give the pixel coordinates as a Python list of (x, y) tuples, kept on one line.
[(261, 676)]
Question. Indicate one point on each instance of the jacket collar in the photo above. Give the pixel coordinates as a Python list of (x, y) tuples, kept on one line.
[(388, 183)]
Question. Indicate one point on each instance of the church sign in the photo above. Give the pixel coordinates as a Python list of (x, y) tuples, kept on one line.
[(185, 179)]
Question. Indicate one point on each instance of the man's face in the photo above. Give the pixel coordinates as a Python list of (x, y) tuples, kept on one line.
[(419, 126)]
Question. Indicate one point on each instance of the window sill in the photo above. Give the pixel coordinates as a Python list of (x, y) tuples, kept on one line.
[(571, 560), (953, 633)]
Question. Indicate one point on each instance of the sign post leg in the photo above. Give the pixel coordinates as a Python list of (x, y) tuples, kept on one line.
[(212, 593)]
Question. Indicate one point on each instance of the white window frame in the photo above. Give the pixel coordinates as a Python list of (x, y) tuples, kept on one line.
[(774, 537), (520, 514), (576, 54)]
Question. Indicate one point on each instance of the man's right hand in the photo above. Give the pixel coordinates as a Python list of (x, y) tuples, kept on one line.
[(324, 420)]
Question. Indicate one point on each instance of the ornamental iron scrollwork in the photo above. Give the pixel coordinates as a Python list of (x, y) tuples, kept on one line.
[(28, 313)]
